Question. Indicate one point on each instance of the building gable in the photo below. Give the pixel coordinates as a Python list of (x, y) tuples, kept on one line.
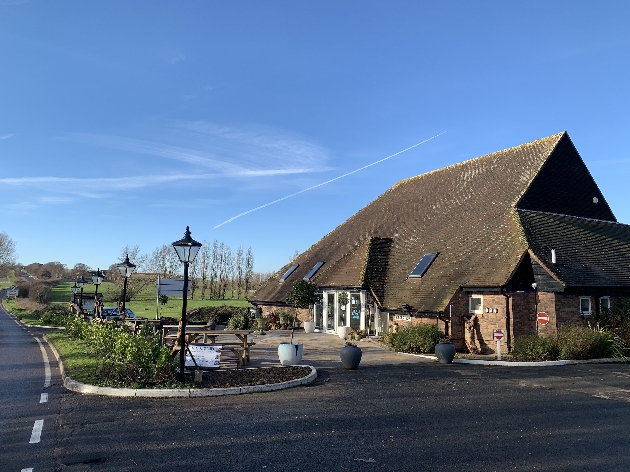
[(565, 186)]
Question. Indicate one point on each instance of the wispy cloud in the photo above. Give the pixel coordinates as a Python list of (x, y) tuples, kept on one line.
[(5, 136), (231, 152), (177, 58)]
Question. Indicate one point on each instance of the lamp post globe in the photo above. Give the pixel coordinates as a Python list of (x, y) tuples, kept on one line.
[(126, 268), (97, 279), (186, 249)]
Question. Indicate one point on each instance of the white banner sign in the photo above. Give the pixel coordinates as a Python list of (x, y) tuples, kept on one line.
[(13, 292), (205, 356), (170, 287)]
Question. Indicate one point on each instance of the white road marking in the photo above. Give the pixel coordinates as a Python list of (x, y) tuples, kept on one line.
[(30, 469), (36, 435), (43, 398), (46, 364)]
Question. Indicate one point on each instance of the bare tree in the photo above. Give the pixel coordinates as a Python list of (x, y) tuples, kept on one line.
[(164, 262), (8, 255), (249, 270), (239, 271), (204, 265)]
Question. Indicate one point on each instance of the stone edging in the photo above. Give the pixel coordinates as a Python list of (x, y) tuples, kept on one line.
[(79, 387), (521, 364)]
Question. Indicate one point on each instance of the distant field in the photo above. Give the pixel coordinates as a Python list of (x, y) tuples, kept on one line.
[(145, 304), (7, 281)]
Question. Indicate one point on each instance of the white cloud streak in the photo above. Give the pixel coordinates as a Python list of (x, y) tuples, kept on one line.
[(325, 183), (5, 136)]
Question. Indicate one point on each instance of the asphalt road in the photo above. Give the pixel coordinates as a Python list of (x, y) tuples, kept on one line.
[(406, 417), (27, 430), (396, 418)]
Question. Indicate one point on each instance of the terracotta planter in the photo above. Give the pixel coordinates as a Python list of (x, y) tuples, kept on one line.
[(445, 352), (350, 357), (290, 354)]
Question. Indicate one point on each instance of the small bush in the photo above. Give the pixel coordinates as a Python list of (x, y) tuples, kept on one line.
[(219, 314), (534, 348), (127, 360), (581, 342), (54, 315), (416, 339), (242, 321)]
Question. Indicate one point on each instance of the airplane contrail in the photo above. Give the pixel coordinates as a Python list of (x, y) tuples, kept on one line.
[(324, 183)]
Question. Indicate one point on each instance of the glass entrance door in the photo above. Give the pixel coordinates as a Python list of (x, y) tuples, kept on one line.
[(355, 311), (330, 311)]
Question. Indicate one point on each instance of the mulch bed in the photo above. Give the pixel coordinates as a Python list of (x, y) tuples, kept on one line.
[(246, 377)]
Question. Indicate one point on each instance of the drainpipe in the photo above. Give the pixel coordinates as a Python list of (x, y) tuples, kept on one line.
[(508, 325)]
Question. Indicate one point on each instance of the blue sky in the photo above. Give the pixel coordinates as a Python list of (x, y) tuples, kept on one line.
[(123, 122)]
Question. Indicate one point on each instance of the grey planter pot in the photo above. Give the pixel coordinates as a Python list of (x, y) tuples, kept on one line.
[(445, 352), (350, 357), (290, 354)]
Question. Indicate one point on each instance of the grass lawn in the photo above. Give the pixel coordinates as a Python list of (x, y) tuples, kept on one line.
[(81, 364)]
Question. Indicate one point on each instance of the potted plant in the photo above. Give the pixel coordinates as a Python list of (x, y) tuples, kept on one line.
[(445, 351), (350, 356), (343, 300), (302, 295)]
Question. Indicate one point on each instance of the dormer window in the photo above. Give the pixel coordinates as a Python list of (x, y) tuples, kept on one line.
[(289, 272), (313, 271), (423, 265)]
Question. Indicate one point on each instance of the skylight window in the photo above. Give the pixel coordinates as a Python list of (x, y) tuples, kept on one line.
[(312, 272), (423, 265), (288, 272)]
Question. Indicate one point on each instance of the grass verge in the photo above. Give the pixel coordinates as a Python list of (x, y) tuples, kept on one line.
[(81, 365)]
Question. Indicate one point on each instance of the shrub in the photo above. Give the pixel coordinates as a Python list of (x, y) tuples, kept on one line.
[(219, 314), (127, 360), (414, 339), (580, 342), (54, 315), (535, 348), (617, 319), (241, 321)]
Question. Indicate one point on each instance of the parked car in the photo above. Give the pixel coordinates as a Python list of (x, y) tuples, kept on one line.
[(111, 313)]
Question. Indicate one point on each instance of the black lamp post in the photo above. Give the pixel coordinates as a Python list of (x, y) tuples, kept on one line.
[(81, 283), (187, 249), (97, 279), (126, 268), (75, 289)]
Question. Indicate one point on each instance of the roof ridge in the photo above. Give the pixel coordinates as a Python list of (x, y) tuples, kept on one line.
[(556, 136), (572, 216)]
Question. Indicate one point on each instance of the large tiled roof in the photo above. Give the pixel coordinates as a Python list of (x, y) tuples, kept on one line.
[(465, 212), (589, 252)]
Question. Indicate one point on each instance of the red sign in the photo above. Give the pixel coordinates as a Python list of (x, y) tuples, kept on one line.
[(498, 334), (543, 318)]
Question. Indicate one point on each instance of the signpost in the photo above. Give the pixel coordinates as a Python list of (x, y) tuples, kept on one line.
[(543, 318), (170, 288), (498, 335), (12, 292), (204, 356)]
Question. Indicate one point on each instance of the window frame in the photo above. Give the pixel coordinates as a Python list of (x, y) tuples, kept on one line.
[(288, 273), (590, 306), (601, 308), (470, 305), (424, 263)]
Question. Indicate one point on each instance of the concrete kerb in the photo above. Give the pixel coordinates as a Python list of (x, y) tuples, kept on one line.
[(521, 363), (82, 388)]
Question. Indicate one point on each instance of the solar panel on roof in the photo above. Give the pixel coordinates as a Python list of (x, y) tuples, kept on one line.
[(312, 272), (423, 265), (288, 272)]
